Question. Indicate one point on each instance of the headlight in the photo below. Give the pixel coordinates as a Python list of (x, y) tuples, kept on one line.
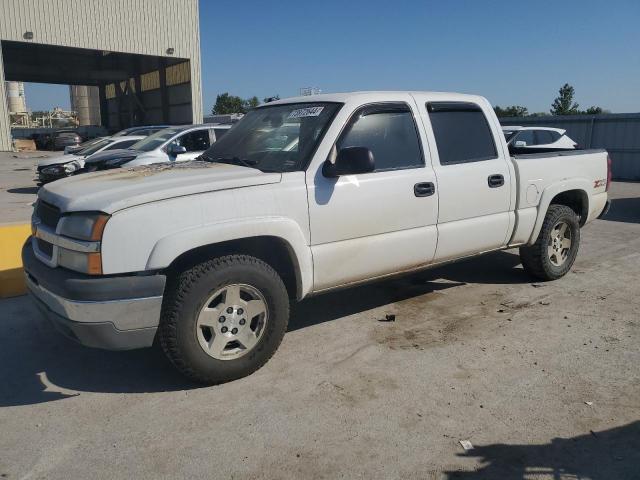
[(84, 256), (82, 226), (67, 168)]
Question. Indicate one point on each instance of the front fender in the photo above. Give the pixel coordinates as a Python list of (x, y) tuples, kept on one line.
[(549, 193), (168, 248)]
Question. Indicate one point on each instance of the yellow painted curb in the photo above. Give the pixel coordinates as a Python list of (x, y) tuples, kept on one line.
[(12, 237)]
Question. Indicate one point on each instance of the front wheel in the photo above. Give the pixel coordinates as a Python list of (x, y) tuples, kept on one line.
[(223, 319), (555, 250)]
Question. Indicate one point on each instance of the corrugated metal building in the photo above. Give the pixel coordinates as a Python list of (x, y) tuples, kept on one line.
[(144, 56), (619, 133)]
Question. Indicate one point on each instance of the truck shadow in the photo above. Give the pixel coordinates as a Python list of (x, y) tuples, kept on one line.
[(39, 365), (494, 268), (624, 210), (608, 455)]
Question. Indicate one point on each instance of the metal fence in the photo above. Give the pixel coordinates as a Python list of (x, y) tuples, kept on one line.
[(619, 133)]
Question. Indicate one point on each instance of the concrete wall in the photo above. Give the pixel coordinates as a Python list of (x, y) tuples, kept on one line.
[(618, 133), (148, 27)]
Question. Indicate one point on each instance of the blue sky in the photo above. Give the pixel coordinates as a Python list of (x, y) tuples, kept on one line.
[(510, 52)]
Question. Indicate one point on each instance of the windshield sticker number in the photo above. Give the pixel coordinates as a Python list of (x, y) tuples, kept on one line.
[(306, 112)]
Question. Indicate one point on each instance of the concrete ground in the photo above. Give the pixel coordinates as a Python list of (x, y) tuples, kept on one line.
[(542, 378), (18, 188)]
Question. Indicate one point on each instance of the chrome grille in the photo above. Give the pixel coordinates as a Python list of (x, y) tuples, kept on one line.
[(48, 214)]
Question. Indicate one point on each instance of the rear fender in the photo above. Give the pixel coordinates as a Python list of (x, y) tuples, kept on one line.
[(549, 193)]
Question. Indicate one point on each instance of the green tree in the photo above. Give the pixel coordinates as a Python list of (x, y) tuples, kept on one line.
[(511, 111), (593, 111), (226, 104), (564, 104), (250, 103)]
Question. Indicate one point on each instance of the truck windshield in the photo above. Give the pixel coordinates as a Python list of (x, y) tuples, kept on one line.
[(278, 138), (154, 141)]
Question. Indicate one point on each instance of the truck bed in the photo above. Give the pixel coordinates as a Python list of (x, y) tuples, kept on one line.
[(538, 186)]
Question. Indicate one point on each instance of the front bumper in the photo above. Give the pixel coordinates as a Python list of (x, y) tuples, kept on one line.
[(110, 312)]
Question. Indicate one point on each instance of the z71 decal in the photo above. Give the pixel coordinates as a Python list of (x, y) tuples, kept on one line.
[(600, 183)]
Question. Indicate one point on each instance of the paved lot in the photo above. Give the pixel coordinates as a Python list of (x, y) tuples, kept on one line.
[(17, 186), (477, 352)]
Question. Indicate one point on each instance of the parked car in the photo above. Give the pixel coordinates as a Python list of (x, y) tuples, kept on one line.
[(205, 256), (60, 166), (42, 140), (142, 131), (64, 138), (174, 144), (537, 139), (86, 144)]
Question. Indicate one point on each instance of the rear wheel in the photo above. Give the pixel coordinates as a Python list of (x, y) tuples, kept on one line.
[(555, 250), (223, 319)]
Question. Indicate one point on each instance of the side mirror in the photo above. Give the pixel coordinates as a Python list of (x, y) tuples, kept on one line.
[(350, 161), (520, 144), (176, 149)]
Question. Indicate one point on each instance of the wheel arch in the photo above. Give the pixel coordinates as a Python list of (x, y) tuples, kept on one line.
[(573, 194), (280, 243)]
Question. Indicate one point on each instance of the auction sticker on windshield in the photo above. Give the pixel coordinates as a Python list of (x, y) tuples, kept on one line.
[(306, 112)]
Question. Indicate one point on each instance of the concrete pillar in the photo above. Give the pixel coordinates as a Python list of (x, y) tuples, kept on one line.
[(85, 101), (5, 131), (15, 97)]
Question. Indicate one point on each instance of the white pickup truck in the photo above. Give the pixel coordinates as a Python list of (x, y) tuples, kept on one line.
[(302, 196)]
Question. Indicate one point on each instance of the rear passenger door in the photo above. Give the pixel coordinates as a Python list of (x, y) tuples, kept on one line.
[(474, 179)]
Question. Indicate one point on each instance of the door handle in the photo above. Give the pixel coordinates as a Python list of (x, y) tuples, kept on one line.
[(424, 189), (495, 181)]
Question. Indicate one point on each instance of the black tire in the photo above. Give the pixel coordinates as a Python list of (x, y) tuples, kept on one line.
[(185, 297), (535, 258)]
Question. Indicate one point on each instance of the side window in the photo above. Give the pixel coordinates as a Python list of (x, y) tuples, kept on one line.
[(195, 141), (543, 137), (462, 132), (389, 131), (119, 145), (526, 136)]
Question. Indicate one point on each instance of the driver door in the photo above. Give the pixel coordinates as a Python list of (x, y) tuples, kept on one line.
[(373, 224)]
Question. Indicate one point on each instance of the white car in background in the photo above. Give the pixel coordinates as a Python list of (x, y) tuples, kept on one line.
[(64, 165), (537, 138), (173, 144)]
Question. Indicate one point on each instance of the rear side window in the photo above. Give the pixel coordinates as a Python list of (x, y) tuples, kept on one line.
[(462, 132), (390, 133), (527, 136), (543, 137)]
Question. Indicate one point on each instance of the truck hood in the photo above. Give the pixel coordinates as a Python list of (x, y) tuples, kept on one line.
[(112, 190)]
